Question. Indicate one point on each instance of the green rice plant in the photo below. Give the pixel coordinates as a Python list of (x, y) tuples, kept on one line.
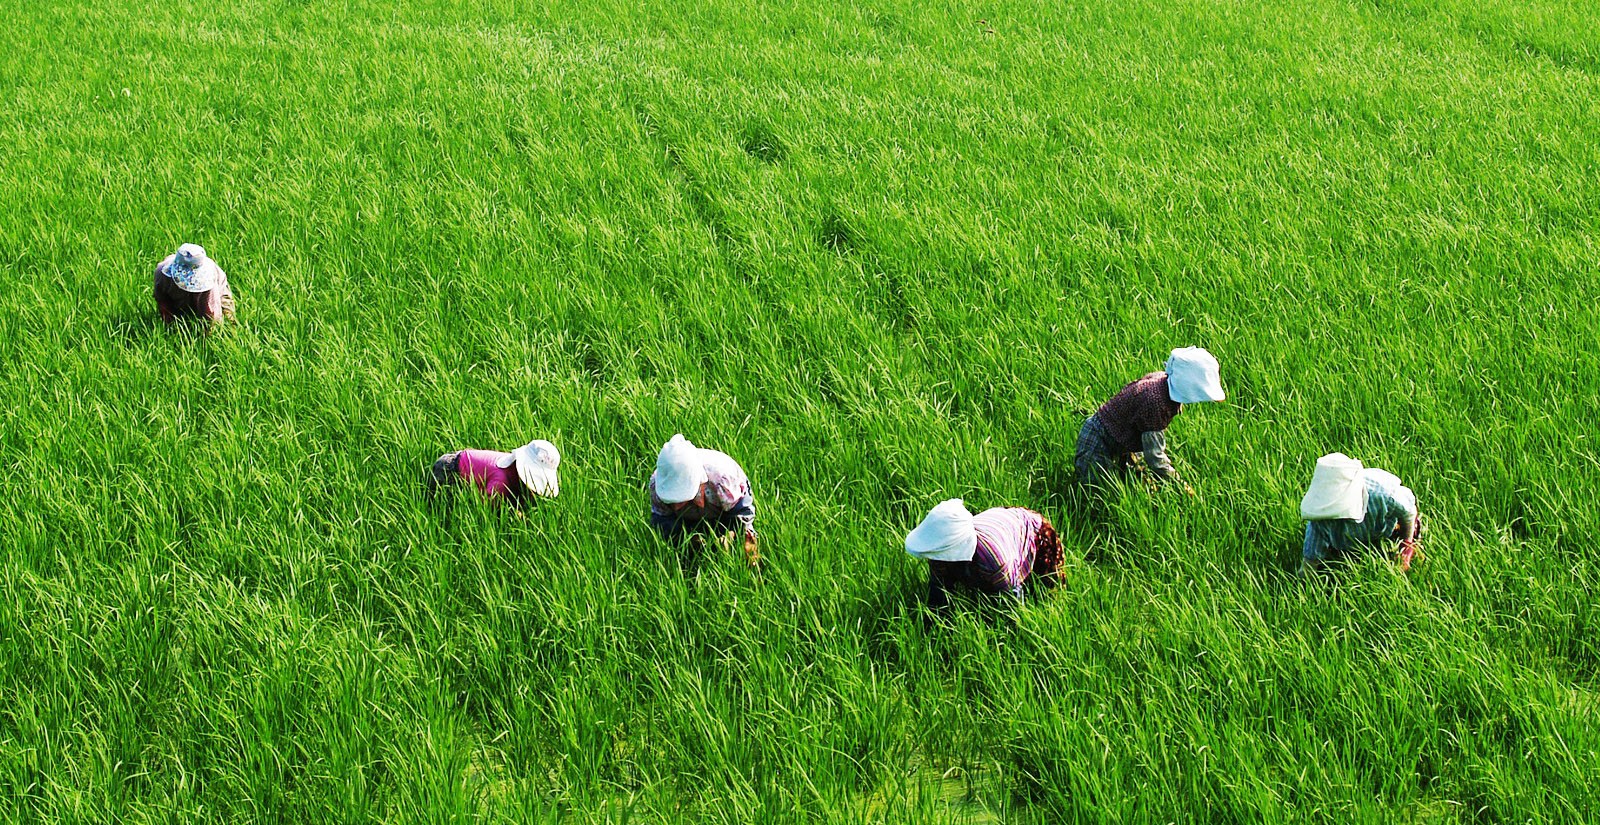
[(882, 255)]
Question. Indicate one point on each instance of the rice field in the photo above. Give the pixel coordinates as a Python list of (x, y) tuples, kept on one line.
[(882, 254)]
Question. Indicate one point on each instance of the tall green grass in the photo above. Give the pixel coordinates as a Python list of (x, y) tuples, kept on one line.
[(882, 254)]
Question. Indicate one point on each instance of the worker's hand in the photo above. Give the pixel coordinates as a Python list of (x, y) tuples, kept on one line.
[(1408, 550), (1187, 490), (752, 554)]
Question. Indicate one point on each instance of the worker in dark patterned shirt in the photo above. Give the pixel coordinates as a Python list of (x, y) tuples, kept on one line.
[(1135, 420)]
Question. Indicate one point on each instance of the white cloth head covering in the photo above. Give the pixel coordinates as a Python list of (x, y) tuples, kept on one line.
[(945, 534), (536, 465), (680, 471), (191, 270), (1193, 376), (1392, 485), (1338, 490)]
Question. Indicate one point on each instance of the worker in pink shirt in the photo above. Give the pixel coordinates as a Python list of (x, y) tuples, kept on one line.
[(516, 477)]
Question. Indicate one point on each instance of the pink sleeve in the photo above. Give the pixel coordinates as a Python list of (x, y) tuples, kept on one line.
[(213, 307)]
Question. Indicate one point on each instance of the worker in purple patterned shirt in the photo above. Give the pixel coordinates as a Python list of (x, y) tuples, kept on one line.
[(993, 552), (1135, 420), (695, 491)]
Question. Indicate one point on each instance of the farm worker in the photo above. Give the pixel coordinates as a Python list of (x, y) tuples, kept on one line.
[(189, 284), (1135, 419), (992, 552), (696, 491), (1350, 506), (517, 476)]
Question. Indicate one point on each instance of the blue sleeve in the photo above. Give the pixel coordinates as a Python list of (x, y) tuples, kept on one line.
[(745, 511), (938, 594), (1394, 514), (1315, 548), (745, 507)]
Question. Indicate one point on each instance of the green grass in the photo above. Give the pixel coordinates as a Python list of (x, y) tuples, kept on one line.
[(882, 254)]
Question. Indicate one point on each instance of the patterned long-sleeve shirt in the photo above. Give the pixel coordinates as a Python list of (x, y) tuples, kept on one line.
[(729, 504), (1143, 406), (1007, 542), (1391, 514)]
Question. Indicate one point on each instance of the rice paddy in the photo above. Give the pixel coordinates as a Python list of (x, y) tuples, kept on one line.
[(882, 254)]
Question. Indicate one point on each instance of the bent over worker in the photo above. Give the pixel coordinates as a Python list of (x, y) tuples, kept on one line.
[(695, 491), (1135, 419), (1349, 507), (993, 552)]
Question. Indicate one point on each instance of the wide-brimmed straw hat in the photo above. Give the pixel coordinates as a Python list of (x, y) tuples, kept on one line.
[(1193, 376), (945, 534), (680, 471), (1338, 490), (536, 464)]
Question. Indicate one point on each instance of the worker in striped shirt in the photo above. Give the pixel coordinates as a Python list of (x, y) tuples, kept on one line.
[(993, 552), (1349, 508)]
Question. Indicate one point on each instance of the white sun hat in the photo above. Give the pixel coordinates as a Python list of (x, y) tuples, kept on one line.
[(1393, 486), (945, 534), (1338, 490), (191, 269), (536, 465), (1193, 376), (680, 470)]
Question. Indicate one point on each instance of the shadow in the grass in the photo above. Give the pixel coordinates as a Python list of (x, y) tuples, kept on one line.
[(1056, 484), (1288, 572), (131, 326), (1287, 552), (693, 554), (880, 613), (442, 504), (1088, 528), (1056, 479), (701, 551)]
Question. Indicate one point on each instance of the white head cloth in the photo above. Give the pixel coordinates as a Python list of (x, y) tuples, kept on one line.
[(1392, 485), (945, 534), (536, 464), (1338, 490), (680, 471), (191, 270), (1193, 376)]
